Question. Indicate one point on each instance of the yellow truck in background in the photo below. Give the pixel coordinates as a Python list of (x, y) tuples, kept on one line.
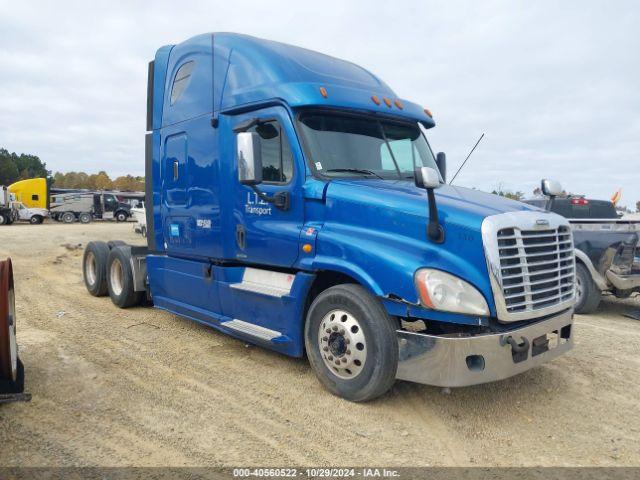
[(32, 193)]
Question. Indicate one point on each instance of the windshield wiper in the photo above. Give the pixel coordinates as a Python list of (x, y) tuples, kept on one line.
[(355, 170)]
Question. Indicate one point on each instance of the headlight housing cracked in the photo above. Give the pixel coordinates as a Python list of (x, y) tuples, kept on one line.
[(442, 291)]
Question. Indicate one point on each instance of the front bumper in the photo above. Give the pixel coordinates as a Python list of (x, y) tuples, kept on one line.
[(447, 361)]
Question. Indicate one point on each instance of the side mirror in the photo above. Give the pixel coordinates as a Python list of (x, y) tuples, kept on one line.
[(551, 188), (441, 162), (426, 177), (249, 157)]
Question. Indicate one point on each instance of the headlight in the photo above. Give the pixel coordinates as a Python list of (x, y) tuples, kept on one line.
[(442, 291)]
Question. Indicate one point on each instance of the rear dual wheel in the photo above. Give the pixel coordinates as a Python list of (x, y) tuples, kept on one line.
[(106, 268), (11, 369), (94, 268), (120, 278)]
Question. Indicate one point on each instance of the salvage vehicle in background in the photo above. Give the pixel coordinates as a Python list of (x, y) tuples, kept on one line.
[(86, 206), (69, 207), (607, 254), (34, 216), (8, 214), (308, 214)]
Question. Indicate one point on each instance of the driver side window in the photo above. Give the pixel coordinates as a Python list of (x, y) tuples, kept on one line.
[(277, 159)]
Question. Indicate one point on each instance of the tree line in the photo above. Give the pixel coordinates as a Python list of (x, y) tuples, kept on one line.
[(14, 167), (98, 181)]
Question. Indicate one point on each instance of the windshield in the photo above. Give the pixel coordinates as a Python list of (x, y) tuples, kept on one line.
[(345, 145)]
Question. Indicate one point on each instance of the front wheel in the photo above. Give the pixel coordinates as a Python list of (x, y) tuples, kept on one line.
[(121, 216), (588, 294), (36, 220), (351, 343)]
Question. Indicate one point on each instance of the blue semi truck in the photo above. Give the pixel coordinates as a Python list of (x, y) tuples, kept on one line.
[(294, 202)]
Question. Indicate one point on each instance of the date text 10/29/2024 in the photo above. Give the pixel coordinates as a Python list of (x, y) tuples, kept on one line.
[(316, 472)]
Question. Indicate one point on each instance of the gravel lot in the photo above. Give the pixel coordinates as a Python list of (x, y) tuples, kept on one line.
[(142, 387)]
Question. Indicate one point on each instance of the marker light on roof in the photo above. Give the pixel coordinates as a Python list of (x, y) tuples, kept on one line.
[(579, 201), (398, 104), (323, 92), (428, 112), (387, 102), (375, 99)]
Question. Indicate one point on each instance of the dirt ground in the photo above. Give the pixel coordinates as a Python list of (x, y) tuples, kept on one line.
[(146, 388)]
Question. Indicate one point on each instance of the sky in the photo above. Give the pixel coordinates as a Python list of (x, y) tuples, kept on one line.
[(555, 86)]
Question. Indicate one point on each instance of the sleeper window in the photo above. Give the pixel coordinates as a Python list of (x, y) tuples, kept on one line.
[(277, 159), (181, 81)]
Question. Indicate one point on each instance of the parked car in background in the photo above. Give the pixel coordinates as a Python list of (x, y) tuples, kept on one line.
[(35, 216), (140, 216), (607, 255)]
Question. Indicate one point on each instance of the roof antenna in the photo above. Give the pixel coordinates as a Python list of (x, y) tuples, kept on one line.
[(465, 160)]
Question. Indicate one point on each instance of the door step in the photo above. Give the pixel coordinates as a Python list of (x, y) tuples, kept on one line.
[(265, 282), (252, 330)]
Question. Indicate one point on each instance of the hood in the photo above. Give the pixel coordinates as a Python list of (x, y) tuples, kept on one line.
[(461, 206)]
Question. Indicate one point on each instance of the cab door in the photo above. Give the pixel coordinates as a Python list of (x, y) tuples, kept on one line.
[(263, 233)]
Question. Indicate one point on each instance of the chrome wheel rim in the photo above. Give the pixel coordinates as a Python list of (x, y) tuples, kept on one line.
[(13, 344), (342, 344), (116, 275), (90, 268)]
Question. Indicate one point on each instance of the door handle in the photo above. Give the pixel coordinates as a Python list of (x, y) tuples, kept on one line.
[(175, 171)]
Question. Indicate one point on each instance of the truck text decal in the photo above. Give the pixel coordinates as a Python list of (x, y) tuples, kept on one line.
[(255, 206)]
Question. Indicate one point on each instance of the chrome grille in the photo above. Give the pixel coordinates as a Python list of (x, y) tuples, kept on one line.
[(537, 268)]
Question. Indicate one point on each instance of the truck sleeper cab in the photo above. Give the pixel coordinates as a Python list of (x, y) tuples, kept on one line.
[(293, 201)]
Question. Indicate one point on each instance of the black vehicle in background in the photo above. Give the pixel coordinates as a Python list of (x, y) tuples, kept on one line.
[(606, 246), (107, 205), (578, 207)]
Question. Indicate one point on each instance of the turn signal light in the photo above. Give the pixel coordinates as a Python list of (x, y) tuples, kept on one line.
[(306, 248), (323, 92)]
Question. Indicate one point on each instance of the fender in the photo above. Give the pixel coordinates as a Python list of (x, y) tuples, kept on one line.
[(597, 278)]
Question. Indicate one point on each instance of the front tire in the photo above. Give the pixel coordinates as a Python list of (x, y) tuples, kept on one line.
[(351, 343), (120, 279), (36, 220), (588, 295), (4, 219), (121, 217)]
